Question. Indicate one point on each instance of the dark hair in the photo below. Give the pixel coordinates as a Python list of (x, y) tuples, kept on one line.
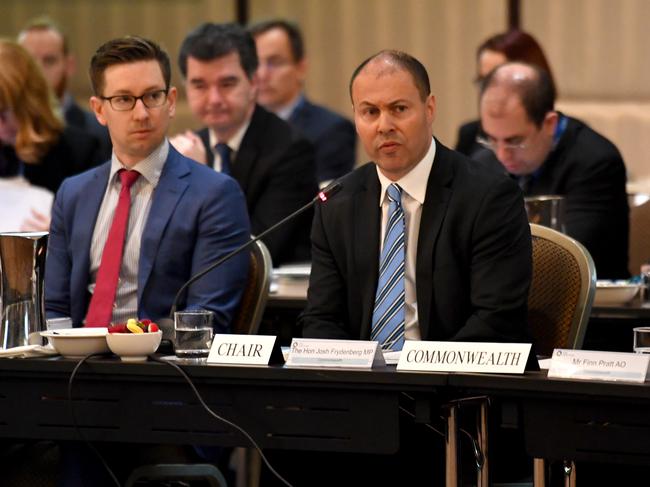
[(289, 28), (44, 23), (212, 41), (407, 63), (126, 50), (517, 45), (536, 92)]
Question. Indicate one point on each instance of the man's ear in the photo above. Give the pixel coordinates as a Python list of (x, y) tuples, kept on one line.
[(172, 94), (97, 106), (550, 122)]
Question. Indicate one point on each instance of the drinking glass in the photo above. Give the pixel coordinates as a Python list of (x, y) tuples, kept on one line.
[(193, 331), (641, 339)]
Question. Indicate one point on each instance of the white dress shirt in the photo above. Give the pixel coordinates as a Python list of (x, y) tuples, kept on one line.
[(234, 143), (414, 188), (150, 169)]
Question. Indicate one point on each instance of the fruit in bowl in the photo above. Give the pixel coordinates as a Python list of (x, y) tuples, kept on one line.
[(134, 340)]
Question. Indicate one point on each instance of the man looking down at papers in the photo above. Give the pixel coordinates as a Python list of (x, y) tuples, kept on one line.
[(423, 243)]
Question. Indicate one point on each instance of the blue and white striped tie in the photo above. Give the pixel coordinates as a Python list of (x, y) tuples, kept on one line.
[(388, 315)]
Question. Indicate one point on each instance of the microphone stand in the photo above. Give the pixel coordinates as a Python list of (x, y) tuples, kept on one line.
[(323, 196)]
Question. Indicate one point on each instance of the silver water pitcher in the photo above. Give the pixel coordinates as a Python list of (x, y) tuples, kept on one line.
[(22, 268)]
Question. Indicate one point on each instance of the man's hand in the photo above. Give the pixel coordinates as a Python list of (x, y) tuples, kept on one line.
[(189, 144), (35, 222)]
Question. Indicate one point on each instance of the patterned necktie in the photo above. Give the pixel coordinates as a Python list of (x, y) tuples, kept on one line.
[(224, 153), (100, 311), (388, 315)]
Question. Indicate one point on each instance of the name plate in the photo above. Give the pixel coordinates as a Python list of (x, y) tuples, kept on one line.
[(355, 354), (596, 365), (505, 358), (241, 349)]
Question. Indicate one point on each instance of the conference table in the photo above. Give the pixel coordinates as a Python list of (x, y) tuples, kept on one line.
[(310, 409), (609, 329)]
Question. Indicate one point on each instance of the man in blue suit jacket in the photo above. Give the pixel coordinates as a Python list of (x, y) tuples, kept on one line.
[(183, 216), (281, 74)]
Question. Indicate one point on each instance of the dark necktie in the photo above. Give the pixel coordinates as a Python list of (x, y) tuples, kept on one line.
[(224, 153), (389, 313), (100, 311)]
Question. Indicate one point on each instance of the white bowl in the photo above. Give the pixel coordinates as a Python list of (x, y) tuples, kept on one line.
[(613, 293), (134, 347), (78, 342)]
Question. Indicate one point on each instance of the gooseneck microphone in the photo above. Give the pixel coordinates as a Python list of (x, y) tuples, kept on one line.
[(322, 196)]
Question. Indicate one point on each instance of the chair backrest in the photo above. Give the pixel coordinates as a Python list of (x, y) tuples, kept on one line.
[(562, 290), (251, 308), (639, 253)]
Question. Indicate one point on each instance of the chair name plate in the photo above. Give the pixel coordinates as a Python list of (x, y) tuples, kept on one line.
[(356, 354), (241, 349), (597, 365), (505, 358)]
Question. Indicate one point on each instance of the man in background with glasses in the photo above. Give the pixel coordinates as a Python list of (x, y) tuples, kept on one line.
[(550, 153), (128, 234)]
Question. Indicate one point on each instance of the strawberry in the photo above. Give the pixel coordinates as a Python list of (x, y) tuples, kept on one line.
[(146, 322), (152, 328), (118, 328)]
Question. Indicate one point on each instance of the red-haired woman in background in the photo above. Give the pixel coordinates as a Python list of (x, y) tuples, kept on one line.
[(35, 147)]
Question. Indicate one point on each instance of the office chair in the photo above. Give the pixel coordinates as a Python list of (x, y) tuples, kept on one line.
[(559, 303)]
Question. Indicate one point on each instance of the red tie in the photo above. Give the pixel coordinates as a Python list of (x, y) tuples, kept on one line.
[(100, 311)]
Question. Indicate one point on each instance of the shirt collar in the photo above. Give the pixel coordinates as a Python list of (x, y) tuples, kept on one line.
[(235, 141), (286, 111), (414, 183), (150, 167)]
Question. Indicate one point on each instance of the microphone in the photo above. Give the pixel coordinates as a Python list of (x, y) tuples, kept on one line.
[(322, 196)]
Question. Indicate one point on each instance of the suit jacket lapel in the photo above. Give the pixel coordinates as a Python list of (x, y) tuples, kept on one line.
[(436, 201), (367, 221), (170, 188), (204, 135), (248, 150), (82, 234)]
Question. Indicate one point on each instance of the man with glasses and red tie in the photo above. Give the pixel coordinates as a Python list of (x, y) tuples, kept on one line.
[(550, 153), (128, 234)]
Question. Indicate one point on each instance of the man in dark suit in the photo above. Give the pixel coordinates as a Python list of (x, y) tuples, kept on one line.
[(551, 153), (468, 248), (465, 256), (47, 43), (272, 163), (281, 75), (182, 216)]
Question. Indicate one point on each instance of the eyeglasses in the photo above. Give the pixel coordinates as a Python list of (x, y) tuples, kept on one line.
[(493, 145), (123, 103)]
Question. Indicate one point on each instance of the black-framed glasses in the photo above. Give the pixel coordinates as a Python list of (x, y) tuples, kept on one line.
[(123, 103)]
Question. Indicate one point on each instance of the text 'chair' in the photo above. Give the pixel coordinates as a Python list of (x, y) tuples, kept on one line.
[(559, 303)]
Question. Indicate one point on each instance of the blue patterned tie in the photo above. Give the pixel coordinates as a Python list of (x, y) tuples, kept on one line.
[(388, 315), (224, 153)]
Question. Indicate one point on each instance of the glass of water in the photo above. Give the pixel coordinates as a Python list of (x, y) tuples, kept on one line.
[(193, 333), (641, 339)]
